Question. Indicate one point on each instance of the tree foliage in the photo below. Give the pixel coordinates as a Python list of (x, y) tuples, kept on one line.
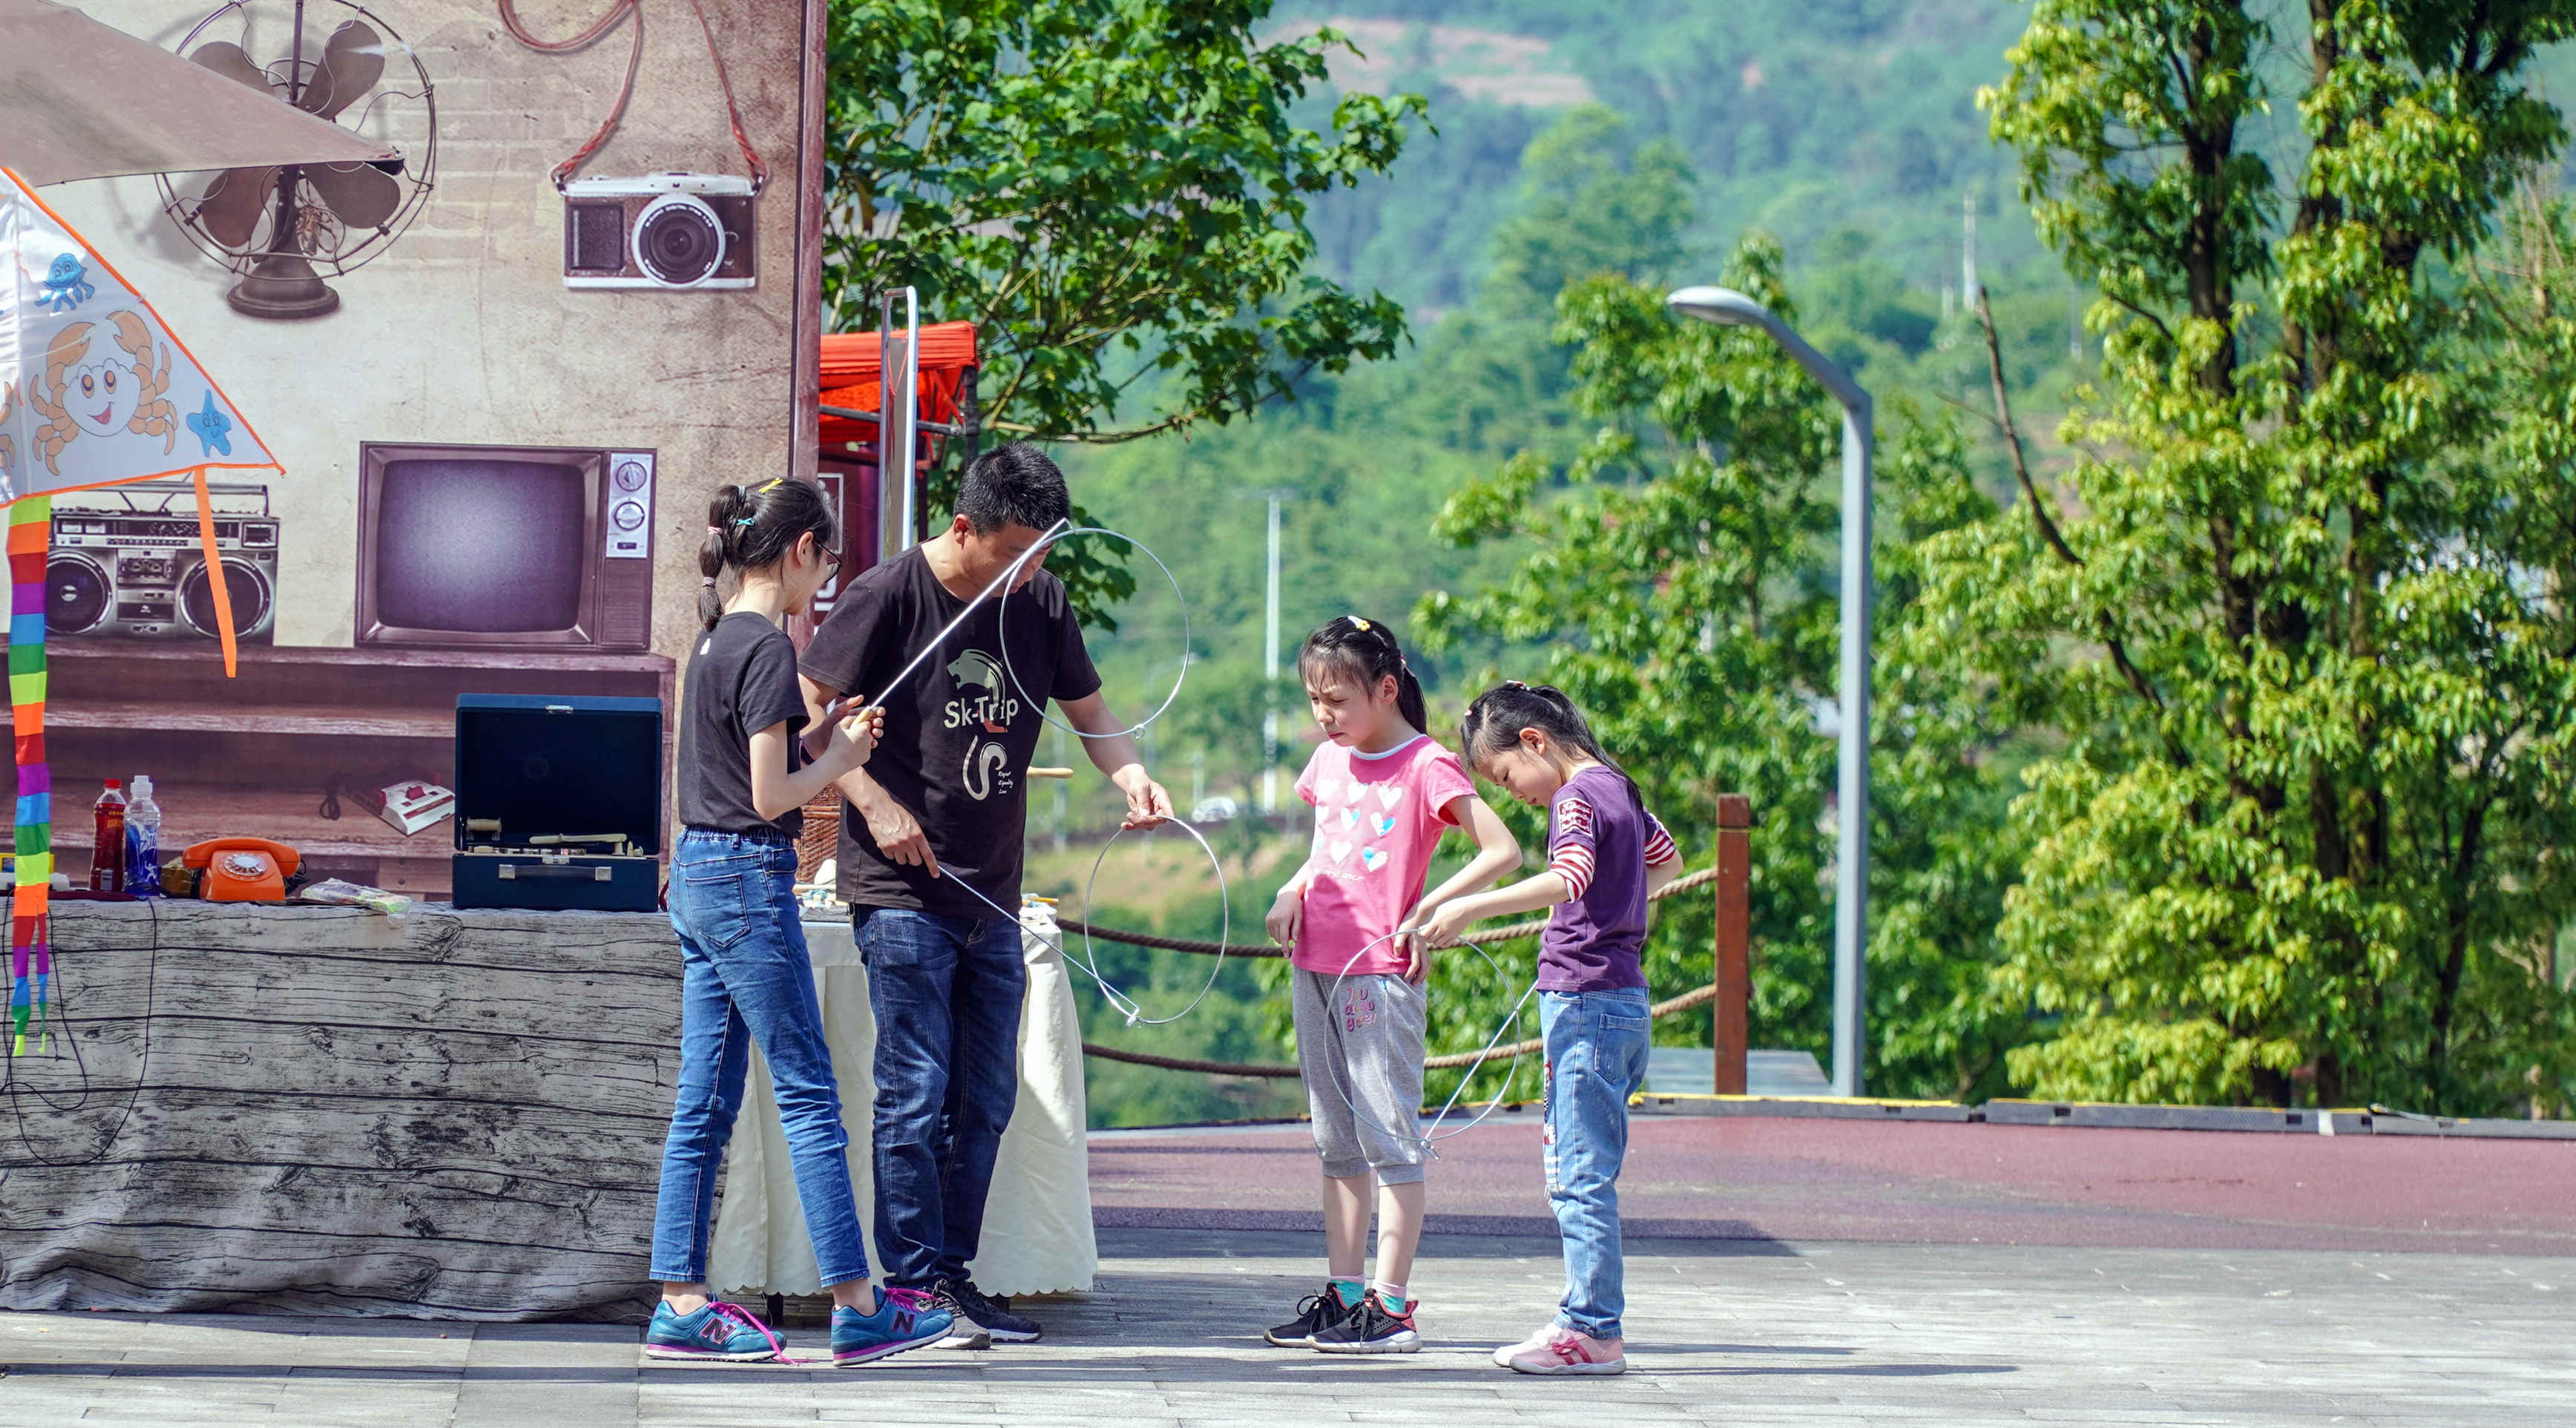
[(1112, 190), (1683, 588), (2300, 613)]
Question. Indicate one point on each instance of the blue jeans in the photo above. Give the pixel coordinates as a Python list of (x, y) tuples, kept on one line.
[(745, 977), (946, 992), (1596, 1060)]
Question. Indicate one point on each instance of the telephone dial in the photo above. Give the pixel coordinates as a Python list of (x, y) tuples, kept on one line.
[(242, 869)]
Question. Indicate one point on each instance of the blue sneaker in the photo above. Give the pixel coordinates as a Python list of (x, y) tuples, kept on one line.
[(716, 1331), (905, 1319)]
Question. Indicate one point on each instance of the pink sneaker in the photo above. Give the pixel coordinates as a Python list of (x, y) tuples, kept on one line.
[(1539, 1338), (1564, 1351)]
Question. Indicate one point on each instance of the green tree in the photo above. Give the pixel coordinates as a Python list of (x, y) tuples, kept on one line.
[(1683, 591), (2300, 618), (1112, 190)]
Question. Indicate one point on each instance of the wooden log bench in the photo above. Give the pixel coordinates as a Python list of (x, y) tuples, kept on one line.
[(319, 1110)]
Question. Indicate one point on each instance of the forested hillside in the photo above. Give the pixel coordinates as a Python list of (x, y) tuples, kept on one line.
[(2218, 753)]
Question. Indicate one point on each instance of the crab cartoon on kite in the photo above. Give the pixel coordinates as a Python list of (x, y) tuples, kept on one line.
[(120, 389)]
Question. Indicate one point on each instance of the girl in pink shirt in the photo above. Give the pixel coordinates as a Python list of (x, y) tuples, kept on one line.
[(1382, 791)]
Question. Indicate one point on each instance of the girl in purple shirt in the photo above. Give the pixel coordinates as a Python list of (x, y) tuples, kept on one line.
[(1606, 856)]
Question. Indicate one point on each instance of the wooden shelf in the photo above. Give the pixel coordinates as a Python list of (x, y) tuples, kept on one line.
[(357, 722), (249, 756), (195, 814)]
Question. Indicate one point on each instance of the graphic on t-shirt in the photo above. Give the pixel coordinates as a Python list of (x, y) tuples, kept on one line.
[(1389, 795), (1372, 858), (984, 775), (1383, 823), (995, 708)]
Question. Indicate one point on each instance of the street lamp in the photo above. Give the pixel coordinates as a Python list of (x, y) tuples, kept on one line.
[(1851, 861)]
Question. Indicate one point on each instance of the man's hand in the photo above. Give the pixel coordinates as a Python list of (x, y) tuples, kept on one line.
[(1287, 915), (1148, 806), (899, 834)]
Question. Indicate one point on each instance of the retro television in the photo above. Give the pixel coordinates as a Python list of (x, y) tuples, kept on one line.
[(530, 548)]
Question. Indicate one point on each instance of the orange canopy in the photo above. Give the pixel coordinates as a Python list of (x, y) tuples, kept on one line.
[(851, 371)]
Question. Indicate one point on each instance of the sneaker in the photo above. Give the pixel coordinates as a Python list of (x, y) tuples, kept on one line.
[(1375, 1327), (1538, 1339), (1567, 1352), (715, 1330), (1315, 1313), (904, 1319), (963, 1332), (993, 1315)]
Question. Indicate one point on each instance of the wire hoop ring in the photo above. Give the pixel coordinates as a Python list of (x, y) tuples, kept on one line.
[(1433, 1136), (1225, 927), (1002, 614)]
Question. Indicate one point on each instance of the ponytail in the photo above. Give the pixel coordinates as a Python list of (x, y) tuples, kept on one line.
[(749, 529), (1368, 649)]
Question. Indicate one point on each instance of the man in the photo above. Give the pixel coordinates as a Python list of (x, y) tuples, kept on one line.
[(943, 806)]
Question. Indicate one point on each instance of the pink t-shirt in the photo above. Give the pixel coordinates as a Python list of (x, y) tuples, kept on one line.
[(1377, 818)]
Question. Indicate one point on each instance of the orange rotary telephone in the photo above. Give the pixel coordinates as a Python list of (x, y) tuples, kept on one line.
[(242, 869)]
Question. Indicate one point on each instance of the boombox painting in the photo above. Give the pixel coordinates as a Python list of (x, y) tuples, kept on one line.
[(497, 449)]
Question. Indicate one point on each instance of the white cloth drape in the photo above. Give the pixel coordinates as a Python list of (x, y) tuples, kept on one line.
[(1037, 1220)]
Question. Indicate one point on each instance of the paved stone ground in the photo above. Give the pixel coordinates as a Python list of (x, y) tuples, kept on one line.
[(1725, 1332)]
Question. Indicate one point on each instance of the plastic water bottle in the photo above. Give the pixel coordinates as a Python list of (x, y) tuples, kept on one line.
[(143, 841), (107, 855)]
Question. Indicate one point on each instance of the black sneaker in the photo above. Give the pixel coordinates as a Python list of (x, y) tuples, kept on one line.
[(1372, 1329), (963, 1331), (1315, 1313), (992, 1315)]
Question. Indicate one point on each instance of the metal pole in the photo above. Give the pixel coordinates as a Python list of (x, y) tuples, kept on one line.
[(1270, 675), (1851, 783), (1851, 819)]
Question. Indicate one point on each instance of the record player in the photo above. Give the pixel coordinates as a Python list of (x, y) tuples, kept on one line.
[(558, 802)]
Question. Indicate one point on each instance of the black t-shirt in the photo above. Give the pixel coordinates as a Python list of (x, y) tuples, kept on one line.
[(741, 680), (958, 732)]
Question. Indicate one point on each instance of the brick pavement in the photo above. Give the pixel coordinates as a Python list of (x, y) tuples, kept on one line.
[(1726, 1332)]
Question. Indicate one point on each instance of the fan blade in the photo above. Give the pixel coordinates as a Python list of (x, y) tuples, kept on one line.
[(363, 197), (351, 64), (234, 203), (232, 62)]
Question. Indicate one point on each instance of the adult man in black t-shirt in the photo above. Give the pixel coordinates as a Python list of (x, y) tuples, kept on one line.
[(944, 802)]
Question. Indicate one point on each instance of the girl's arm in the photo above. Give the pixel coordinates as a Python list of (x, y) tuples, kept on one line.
[(1497, 853), (775, 791), (1546, 889), (1663, 859), (1288, 910)]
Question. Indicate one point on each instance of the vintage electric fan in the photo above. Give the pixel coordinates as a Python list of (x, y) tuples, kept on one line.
[(283, 228)]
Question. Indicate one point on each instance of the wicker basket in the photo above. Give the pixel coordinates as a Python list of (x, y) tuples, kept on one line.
[(822, 834)]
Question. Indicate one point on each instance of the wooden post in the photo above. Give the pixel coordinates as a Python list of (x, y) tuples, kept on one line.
[(1734, 973)]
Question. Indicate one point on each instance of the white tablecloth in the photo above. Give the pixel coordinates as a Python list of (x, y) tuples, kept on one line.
[(1037, 1220)]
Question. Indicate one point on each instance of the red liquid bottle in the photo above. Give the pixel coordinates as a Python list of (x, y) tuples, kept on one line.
[(107, 855)]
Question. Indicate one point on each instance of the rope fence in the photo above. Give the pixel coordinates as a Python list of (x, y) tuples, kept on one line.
[(1695, 997)]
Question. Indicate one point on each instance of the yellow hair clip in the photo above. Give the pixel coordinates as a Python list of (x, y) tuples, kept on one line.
[(774, 483), (1357, 623)]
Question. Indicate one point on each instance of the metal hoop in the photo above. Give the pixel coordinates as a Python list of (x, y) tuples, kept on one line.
[(1428, 1139), (1225, 928), (1002, 614)]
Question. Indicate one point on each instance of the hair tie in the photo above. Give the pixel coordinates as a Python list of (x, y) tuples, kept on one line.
[(708, 581), (1516, 684), (717, 531)]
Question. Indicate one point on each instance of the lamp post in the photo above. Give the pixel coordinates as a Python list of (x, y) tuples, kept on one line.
[(1851, 860)]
